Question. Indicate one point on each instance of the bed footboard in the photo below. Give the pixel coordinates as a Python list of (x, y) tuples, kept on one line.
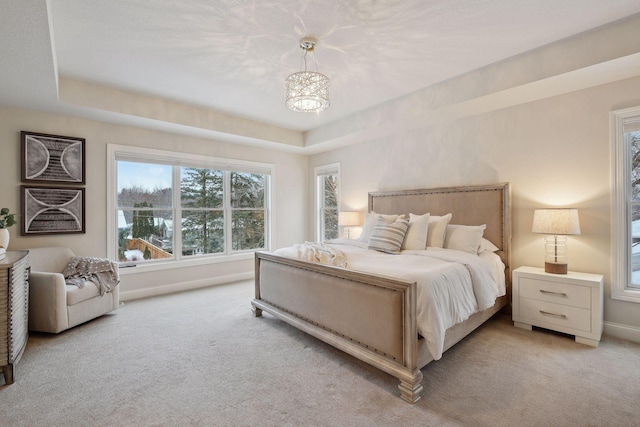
[(372, 318)]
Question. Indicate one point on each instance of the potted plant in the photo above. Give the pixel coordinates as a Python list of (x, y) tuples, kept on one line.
[(7, 219)]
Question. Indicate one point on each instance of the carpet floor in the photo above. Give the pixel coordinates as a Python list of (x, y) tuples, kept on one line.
[(200, 358)]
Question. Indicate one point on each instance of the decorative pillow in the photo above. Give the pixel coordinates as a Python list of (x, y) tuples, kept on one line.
[(486, 245), (437, 230), (388, 237), (416, 237), (464, 237), (370, 221)]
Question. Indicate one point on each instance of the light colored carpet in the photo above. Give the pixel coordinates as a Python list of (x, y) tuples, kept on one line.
[(199, 358)]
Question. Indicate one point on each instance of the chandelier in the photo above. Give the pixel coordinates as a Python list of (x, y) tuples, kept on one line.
[(307, 91)]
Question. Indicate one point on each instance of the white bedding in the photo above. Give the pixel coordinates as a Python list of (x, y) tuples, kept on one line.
[(451, 284)]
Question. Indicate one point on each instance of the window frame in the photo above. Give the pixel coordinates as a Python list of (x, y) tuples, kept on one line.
[(621, 288), (319, 171), (117, 152)]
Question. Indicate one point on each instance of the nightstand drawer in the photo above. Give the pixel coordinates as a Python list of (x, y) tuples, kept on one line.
[(555, 292), (542, 312)]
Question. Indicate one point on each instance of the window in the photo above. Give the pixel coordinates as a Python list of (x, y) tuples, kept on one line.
[(626, 204), (176, 207), (327, 201)]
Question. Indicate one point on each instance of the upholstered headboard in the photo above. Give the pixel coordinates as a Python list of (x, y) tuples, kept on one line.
[(471, 205)]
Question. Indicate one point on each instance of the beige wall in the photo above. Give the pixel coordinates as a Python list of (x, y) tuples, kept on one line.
[(539, 121), (554, 152), (290, 214)]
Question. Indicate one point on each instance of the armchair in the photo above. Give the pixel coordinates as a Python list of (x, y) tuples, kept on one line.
[(55, 306)]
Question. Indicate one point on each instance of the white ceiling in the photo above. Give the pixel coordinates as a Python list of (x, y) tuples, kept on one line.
[(232, 56)]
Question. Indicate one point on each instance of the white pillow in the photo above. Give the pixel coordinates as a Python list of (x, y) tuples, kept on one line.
[(486, 245), (370, 220), (437, 230), (416, 237), (388, 237), (464, 237)]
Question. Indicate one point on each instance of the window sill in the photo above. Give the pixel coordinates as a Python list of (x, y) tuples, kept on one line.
[(627, 294), (128, 269)]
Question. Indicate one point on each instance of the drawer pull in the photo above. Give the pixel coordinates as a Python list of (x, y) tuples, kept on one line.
[(560, 294), (562, 316)]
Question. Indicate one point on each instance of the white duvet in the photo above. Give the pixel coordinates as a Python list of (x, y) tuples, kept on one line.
[(451, 284)]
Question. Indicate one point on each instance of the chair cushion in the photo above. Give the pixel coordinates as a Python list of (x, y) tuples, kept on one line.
[(76, 295)]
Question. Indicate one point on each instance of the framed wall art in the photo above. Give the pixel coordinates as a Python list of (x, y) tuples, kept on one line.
[(52, 159), (52, 210)]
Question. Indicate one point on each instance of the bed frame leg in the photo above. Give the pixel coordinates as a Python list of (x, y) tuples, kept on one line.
[(411, 390), (257, 312), (8, 374)]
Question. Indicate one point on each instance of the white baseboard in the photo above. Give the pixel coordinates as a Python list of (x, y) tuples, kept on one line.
[(619, 330), (183, 286)]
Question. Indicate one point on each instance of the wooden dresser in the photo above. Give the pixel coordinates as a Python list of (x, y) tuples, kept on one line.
[(14, 310)]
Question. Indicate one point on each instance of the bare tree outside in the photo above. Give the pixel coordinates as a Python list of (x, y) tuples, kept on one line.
[(145, 214), (330, 208), (634, 143), (248, 207), (633, 139)]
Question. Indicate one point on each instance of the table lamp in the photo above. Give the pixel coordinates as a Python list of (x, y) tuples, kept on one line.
[(557, 224), (348, 220)]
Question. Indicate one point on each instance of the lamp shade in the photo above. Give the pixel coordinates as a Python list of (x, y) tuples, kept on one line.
[(349, 219), (559, 221)]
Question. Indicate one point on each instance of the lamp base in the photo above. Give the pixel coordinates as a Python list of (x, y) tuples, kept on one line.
[(555, 268)]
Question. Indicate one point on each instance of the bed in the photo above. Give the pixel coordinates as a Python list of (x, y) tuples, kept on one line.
[(374, 317)]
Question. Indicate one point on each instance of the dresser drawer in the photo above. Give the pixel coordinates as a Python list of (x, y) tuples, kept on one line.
[(541, 312), (555, 292)]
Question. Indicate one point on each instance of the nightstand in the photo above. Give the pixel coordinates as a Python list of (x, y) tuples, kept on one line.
[(570, 303)]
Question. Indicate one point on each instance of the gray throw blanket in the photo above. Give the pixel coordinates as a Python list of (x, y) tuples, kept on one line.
[(101, 271)]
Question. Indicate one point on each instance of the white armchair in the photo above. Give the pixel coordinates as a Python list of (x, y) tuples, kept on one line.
[(55, 306)]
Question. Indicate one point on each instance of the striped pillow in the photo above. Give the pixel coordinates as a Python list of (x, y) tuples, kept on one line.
[(388, 237)]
